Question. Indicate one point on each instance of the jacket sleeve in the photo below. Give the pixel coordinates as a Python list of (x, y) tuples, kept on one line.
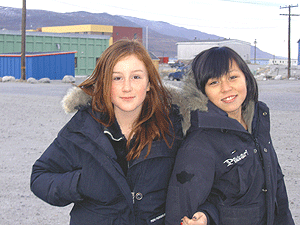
[(283, 215), (56, 173), (211, 212), (191, 180)]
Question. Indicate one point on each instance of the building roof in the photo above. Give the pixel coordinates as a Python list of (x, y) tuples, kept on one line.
[(32, 54), (153, 56), (44, 34)]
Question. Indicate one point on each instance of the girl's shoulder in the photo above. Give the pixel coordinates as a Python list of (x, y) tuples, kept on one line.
[(82, 123), (75, 99)]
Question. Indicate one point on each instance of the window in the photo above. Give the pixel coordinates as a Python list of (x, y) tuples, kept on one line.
[(135, 36)]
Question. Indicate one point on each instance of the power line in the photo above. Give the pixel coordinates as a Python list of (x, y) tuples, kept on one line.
[(252, 2), (289, 34)]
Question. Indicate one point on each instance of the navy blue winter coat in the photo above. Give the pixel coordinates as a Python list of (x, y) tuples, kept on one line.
[(80, 167), (233, 171)]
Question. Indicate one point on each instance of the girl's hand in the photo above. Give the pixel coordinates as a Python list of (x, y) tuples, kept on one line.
[(199, 218)]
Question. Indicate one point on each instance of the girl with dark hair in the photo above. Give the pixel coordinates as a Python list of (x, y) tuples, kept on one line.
[(113, 159), (226, 171)]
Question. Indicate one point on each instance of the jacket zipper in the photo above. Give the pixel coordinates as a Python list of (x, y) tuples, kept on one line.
[(259, 152)]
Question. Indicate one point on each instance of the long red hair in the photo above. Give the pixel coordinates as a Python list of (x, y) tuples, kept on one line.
[(153, 122)]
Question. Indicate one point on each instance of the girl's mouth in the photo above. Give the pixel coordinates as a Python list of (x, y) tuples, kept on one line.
[(229, 99), (127, 98)]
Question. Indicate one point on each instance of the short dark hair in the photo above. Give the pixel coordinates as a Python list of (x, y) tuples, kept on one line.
[(215, 62)]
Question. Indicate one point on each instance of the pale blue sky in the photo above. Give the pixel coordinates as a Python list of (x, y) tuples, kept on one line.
[(236, 19)]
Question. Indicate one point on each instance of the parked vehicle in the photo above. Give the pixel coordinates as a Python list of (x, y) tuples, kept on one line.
[(178, 74), (175, 64)]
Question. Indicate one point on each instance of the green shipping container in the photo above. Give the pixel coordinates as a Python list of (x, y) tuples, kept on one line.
[(88, 47)]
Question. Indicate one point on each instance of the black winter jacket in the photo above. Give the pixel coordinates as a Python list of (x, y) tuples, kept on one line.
[(80, 167), (233, 171)]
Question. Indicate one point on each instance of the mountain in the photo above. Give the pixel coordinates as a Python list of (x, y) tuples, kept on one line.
[(263, 55), (10, 19), (171, 30), (162, 36)]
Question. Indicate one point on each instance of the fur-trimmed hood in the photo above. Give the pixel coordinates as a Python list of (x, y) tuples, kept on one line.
[(189, 98)]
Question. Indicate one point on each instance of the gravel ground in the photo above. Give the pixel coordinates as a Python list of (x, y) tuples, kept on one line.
[(31, 117)]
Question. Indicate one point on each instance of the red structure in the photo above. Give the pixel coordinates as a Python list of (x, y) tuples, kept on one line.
[(163, 60), (131, 33)]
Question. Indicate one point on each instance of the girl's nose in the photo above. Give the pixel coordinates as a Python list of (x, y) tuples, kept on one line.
[(127, 85), (225, 86)]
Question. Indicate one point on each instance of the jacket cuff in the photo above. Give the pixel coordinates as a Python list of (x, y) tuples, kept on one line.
[(211, 212), (74, 194)]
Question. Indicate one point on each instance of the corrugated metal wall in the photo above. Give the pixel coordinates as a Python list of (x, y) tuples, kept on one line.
[(51, 65), (10, 66)]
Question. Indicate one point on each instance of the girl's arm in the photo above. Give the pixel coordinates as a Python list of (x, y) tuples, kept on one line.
[(56, 173), (191, 180)]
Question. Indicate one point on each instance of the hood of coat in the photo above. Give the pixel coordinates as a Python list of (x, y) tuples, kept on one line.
[(188, 98)]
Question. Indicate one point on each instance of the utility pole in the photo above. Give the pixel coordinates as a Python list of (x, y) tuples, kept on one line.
[(289, 35), (255, 42), (23, 43)]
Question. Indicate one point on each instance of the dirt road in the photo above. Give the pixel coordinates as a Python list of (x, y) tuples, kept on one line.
[(31, 117)]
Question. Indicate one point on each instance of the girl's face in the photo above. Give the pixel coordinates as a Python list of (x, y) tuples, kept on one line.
[(229, 91), (130, 84)]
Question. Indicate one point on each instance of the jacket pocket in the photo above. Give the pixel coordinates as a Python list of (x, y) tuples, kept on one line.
[(80, 215), (249, 215)]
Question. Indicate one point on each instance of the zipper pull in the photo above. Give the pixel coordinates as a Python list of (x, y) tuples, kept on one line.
[(133, 194)]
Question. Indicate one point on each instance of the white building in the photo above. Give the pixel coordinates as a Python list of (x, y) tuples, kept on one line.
[(188, 50), (284, 62)]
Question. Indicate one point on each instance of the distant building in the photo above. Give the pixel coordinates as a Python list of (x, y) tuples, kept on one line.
[(259, 61), (88, 41), (294, 62), (88, 47), (114, 32), (188, 50), (131, 33), (155, 60)]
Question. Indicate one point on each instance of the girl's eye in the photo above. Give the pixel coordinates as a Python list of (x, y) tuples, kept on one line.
[(116, 78), (232, 77), (136, 77), (212, 82)]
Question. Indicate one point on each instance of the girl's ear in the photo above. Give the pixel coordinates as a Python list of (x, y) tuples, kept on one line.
[(148, 86)]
